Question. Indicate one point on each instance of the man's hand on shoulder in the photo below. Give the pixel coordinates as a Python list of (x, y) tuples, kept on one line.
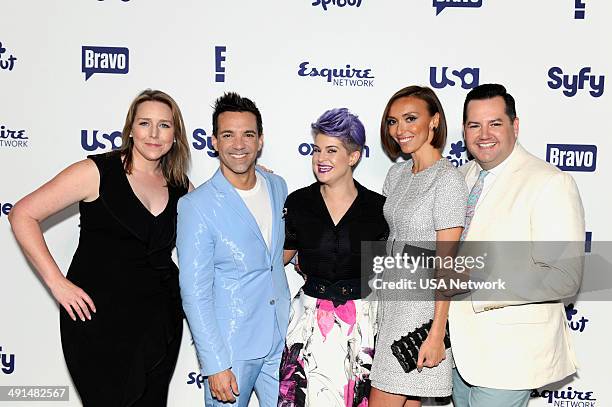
[(223, 386)]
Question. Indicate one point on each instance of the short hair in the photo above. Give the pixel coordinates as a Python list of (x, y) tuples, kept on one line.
[(175, 163), (342, 124), (490, 91), (434, 106), (233, 102)]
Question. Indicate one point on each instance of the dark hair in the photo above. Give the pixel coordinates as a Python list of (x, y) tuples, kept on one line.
[(433, 106), (342, 124), (174, 163), (490, 91), (233, 102)]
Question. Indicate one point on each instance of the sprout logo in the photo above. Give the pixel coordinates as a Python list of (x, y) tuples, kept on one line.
[(458, 154)]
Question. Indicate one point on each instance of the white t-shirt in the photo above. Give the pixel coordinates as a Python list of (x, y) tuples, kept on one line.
[(257, 200)]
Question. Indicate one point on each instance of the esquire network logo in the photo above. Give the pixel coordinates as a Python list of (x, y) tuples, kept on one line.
[(442, 4), (566, 398), (12, 138), (308, 149), (571, 84), (7, 362), (572, 157), (92, 140), (9, 63), (110, 60), (345, 76), (337, 3), (469, 77)]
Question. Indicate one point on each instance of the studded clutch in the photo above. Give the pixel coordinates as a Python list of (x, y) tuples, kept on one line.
[(406, 348)]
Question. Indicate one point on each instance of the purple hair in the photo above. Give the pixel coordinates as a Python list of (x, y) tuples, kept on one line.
[(342, 124)]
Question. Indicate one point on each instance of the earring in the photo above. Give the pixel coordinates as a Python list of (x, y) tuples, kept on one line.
[(131, 135), (174, 141)]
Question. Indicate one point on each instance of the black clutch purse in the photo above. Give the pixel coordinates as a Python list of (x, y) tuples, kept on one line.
[(406, 348)]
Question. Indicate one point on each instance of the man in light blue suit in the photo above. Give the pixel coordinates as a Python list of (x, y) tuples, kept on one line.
[(230, 245)]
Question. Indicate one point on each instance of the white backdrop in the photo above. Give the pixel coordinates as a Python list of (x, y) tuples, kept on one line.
[(50, 111)]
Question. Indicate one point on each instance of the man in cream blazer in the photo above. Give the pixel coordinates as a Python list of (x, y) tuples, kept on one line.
[(503, 347)]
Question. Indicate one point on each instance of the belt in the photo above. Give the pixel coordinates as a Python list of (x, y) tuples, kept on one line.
[(340, 291)]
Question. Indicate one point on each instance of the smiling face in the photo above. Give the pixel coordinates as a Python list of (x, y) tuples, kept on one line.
[(410, 124), (331, 161), (238, 143), (152, 131), (489, 134)]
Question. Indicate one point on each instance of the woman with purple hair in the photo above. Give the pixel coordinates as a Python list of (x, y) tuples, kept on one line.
[(330, 340)]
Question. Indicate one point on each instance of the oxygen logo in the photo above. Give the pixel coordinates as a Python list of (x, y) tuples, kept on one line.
[(7, 362), (203, 142), (469, 77), (575, 322), (219, 65), (308, 149), (573, 83), (572, 157), (458, 154), (92, 140), (111, 60), (442, 4), (337, 3), (9, 63), (13, 138), (346, 76)]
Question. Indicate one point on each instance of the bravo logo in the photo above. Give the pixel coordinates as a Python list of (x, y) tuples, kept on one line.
[(572, 157), (308, 149), (96, 140), (572, 83), (203, 142), (111, 60), (442, 4)]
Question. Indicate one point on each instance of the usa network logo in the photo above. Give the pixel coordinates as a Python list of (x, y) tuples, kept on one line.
[(308, 149), (574, 321), (92, 140), (469, 77), (7, 362), (9, 62), (458, 154), (337, 3), (13, 138), (345, 76), (566, 398), (572, 157), (203, 142), (110, 60), (571, 84), (442, 4)]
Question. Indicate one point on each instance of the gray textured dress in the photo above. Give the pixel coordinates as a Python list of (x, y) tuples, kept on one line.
[(417, 206)]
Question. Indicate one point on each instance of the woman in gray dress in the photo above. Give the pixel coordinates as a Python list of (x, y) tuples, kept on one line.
[(425, 208)]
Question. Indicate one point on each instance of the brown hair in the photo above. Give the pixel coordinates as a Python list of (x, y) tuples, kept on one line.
[(433, 106), (174, 163)]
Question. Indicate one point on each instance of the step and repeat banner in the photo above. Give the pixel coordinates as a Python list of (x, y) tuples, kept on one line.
[(69, 70)]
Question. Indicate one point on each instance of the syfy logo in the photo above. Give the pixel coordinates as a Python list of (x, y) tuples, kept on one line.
[(5, 209), (572, 157), (337, 3), (469, 77), (12, 138), (566, 398), (579, 12), (308, 149), (572, 83), (9, 63), (458, 154), (219, 65), (195, 378), (346, 76), (574, 324), (7, 362), (96, 140), (203, 142), (111, 60), (442, 4)]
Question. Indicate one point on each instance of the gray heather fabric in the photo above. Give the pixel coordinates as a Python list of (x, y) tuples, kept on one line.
[(417, 205)]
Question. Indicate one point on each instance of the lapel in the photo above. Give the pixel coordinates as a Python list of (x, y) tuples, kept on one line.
[(230, 197), (274, 194)]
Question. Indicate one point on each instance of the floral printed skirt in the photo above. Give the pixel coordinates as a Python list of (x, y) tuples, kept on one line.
[(328, 353)]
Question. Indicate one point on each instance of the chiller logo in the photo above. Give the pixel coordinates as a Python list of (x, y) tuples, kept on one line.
[(97, 140), (469, 77), (347, 76), (572, 157), (110, 60), (442, 4)]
